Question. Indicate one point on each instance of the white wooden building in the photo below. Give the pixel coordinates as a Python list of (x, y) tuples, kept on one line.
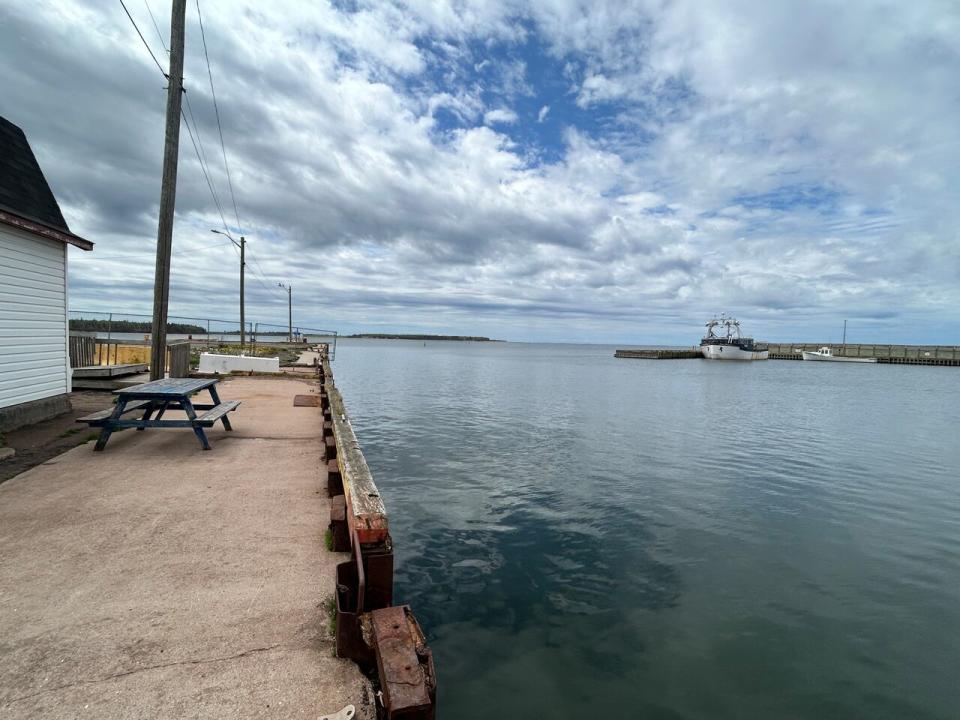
[(34, 237)]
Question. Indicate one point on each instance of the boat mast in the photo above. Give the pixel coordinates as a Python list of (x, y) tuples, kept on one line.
[(844, 332)]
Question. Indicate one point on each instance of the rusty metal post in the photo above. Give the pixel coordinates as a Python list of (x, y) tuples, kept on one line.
[(378, 568), (351, 592)]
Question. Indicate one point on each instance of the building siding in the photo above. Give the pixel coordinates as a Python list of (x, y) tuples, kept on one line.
[(33, 318)]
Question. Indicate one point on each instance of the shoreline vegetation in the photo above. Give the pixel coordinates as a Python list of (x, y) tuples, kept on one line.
[(396, 336), (130, 326)]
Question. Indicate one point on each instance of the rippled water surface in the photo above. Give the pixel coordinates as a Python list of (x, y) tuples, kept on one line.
[(588, 537)]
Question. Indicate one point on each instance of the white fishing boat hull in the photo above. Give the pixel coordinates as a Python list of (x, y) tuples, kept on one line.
[(820, 357), (731, 352)]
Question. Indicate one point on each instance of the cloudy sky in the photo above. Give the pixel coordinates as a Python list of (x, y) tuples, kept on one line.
[(583, 171)]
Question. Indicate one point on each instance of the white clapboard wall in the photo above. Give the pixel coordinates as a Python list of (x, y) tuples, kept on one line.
[(34, 363)]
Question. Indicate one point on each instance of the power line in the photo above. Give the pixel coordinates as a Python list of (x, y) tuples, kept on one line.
[(204, 163), (140, 253), (214, 245), (262, 279), (216, 110), (263, 274), (204, 170), (265, 286), (197, 141), (155, 26), (200, 158), (143, 39)]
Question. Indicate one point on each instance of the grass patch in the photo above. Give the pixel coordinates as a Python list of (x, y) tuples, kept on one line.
[(328, 539), (332, 615), (71, 431), (91, 436)]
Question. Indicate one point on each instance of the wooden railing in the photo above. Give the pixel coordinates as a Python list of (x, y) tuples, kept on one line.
[(86, 351)]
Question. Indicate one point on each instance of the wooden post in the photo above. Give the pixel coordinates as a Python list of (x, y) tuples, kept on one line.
[(168, 193)]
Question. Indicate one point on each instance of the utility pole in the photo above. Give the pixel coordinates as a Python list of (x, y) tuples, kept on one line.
[(243, 264), (168, 194), (289, 289)]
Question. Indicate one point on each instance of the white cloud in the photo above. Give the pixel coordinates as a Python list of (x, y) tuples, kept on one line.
[(599, 88), (499, 115), (354, 183)]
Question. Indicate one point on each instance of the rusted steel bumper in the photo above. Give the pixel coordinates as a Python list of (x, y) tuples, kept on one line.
[(370, 630), (387, 639), (405, 664)]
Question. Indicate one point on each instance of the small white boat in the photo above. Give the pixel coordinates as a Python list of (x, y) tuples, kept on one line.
[(826, 354)]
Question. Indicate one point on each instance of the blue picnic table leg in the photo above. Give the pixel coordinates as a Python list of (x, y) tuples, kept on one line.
[(163, 409), (146, 415), (107, 430), (197, 430), (216, 401)]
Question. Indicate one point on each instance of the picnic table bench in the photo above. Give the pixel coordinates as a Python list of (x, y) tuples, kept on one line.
[(157, 397)]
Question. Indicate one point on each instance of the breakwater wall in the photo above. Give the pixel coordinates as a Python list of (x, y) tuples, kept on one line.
[(379, 636), (891, 354), (660, 354), (948, 355)]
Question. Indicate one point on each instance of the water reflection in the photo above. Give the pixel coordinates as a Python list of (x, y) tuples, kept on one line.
[(585, 537)]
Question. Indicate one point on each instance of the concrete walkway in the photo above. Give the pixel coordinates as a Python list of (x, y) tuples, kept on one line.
[(158, 580), (309, 357)]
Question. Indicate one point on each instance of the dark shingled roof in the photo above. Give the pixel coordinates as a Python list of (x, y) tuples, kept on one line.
[(24, 191)]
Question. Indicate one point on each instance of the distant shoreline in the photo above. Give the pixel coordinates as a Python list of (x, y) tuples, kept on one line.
[(395, 336)]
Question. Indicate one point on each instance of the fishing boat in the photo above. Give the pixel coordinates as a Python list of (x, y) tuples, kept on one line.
[(826, 354), (723, 341)]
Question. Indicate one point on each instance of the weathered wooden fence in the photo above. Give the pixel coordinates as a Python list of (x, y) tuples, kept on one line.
[(87, 351), (81, 350)]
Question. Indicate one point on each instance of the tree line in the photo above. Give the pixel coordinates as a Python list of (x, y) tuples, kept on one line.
[(132, 326)]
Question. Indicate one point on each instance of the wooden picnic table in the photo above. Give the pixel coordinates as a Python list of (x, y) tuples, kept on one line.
[(157, 397)]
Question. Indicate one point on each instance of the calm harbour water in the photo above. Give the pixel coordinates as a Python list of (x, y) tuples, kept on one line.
[(588, 537)]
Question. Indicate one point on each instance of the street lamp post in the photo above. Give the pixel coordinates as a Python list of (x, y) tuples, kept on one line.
[(243, 264), (289, 289)]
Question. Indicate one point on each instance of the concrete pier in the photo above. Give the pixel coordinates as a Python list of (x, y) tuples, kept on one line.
[(157, 580), (660, 354), (890, 354)]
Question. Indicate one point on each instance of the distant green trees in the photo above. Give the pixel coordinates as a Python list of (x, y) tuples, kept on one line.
[(131, 326), (392, 336)]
